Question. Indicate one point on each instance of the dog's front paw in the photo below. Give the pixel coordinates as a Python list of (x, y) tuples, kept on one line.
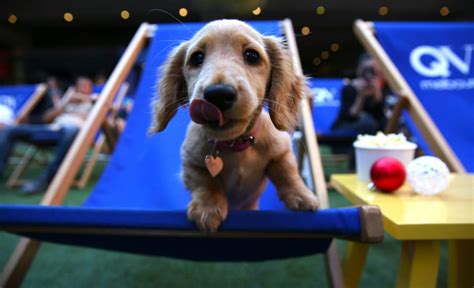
[(207, 216), (302, 200)]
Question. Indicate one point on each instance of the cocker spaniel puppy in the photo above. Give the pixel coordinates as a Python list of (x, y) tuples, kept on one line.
[(226, 73)]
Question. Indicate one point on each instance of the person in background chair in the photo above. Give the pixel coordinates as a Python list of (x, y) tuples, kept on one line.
[(64, 120), (362, 108)]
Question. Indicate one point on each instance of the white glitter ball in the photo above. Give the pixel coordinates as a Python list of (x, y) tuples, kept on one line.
[(428, 175)]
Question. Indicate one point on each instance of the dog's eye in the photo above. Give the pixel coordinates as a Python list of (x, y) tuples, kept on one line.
[(251, 57), (197, 58)]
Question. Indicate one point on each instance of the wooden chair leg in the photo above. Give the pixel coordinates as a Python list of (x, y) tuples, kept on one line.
[(90, 164), (19, 263), (333, 267), (14, 179)]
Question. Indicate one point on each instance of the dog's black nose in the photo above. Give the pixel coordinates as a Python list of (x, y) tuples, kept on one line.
[(221, 95)]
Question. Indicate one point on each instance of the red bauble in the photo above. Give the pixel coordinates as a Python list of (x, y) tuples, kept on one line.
[(387, 174)]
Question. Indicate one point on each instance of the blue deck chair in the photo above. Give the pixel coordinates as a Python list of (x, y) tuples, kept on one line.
[(326, 102), (139, 203), (430, 65), (44, 140), (20, 100)]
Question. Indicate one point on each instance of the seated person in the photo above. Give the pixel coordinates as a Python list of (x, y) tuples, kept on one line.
[(52, 98), (66, 119), (362, 108)]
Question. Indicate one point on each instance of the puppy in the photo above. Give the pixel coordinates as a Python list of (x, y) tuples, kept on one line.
[(226, 73)]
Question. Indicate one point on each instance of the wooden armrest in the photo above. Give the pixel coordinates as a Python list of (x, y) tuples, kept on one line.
[(371, 224)]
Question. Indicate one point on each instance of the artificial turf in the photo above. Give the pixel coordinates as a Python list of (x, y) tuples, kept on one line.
[(66, 266)]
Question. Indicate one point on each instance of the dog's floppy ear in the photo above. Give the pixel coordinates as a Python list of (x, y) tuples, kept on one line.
[(172, 90), (285, 88)]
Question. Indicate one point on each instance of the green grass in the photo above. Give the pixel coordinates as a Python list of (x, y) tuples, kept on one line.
[(67, 266)]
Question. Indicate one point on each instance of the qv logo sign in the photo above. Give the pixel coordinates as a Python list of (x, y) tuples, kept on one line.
[(442, 60), (324, 96)]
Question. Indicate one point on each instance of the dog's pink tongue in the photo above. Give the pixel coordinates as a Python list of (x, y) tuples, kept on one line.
[(203, 112)]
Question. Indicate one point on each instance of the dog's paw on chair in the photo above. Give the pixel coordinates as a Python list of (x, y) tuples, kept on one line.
[(301, 200), (208, 215)]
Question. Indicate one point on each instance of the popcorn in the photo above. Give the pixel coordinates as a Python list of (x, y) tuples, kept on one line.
[(380, 140)]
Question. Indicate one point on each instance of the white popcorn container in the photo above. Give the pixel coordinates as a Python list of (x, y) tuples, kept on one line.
[(366, 156)]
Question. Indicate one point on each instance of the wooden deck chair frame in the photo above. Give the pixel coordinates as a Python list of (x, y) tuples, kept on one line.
[(365, 32), (21, 259)]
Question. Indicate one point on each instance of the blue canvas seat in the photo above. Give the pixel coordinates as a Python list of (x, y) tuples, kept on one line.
[(20, 100), (430, 65), (326, 103), (139, 203)]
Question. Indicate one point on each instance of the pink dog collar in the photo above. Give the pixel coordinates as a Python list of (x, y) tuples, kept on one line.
[(238, 144)]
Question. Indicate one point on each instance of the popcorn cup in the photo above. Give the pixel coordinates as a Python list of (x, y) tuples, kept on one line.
[(366, 155)]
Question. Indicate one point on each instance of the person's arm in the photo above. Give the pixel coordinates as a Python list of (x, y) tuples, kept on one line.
[(78, 97), (52, 113), (365, 89), (359, 95), (358, 105), (55, 95)]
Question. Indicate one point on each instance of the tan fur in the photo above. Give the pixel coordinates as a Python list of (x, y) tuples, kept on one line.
[(240, 184)]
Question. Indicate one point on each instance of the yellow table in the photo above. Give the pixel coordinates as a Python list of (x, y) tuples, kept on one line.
[(420, 222)]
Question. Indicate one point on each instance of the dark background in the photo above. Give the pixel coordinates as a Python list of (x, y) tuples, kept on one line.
[(42, 43)]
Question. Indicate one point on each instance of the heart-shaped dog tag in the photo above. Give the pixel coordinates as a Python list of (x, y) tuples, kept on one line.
[(214, 164)]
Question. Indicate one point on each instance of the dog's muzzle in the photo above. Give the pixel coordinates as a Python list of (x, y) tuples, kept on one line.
[(222, 96)]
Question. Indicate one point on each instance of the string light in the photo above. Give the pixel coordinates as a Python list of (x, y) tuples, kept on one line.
[(383, 10), (334, 47), (305, 30), (325, 55), (183, 12), (444, 11), (320, 10), (316, 61), (12, 18), (125, 14), (257, 11), (68, 17)]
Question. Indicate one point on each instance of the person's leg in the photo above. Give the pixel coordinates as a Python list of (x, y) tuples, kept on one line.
[(67, 135), (365, 124), (5, 147), (8, 136)]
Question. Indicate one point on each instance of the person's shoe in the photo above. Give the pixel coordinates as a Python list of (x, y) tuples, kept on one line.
[(35, 187)]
